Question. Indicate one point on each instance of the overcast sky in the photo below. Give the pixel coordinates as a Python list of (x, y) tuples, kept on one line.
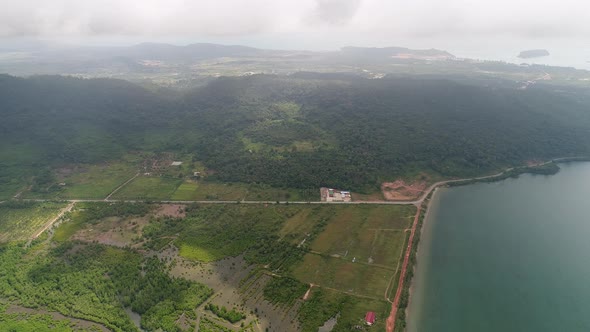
[(463, 26)]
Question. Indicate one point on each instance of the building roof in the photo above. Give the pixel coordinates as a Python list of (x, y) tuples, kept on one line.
[(370, 317)]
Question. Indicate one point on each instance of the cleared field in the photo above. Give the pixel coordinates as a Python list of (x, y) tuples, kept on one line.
[(202, 191), (353, 227), (267, 193), (343, 275), (388, 217), (388, 246), (145, 187), (302, 224), (358, 251), (19, 221), (115, 224), (16, 167), (85, 181), (97, 181), (199, 253), (376, 196)]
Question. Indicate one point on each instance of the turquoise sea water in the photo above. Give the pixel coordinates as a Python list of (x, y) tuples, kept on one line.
[(507, 256)]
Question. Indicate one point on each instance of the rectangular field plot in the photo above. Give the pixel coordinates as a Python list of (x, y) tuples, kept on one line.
[(97, 181), (202, 191), (358, 251), (19, 221), (267, 193), (306, 221), (390, 217), (85, 181), (353, 230), (145, 187), (343, 275), (388, 246)]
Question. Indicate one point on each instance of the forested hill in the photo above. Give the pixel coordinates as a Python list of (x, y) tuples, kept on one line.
[(306, 130)]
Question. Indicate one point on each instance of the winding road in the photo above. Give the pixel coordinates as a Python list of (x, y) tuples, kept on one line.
[(418, 203)]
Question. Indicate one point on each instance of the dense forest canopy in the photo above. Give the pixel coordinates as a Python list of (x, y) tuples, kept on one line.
[(303, 131)]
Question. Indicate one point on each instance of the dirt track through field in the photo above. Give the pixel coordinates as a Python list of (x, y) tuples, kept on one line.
[(51, 222), (121, 186)]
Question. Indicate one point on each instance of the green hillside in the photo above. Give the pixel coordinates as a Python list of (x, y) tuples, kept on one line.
[(300, 131)]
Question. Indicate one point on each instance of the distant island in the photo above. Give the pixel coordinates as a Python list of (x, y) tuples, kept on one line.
[(533, 54)]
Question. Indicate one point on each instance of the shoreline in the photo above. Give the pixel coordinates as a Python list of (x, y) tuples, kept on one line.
[(411, 288), (399, 312)]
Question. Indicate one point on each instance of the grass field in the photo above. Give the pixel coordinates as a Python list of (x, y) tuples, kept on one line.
[(19, 221), (203, 190), (145, 187), (354, 227), (359, 250), (98, 181), (267, 193), (16, 167), (301, 224), (355, 278), (87, 181)]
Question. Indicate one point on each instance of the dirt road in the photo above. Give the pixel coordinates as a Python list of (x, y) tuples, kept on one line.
[(395, 304), (121, 186), (51, 222)]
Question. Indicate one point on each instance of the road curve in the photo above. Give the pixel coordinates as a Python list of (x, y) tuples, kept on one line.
[(390, 326)]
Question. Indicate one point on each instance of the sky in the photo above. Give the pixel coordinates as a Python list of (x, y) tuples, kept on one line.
[(470, 28)]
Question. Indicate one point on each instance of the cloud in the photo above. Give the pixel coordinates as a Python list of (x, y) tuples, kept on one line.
[(334, 12), (139, 17), (328, 18)]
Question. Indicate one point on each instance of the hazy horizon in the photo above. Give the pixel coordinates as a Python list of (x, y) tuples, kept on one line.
[(485, 30)]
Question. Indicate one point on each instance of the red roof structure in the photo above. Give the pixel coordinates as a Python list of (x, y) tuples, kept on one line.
[(370, 318)]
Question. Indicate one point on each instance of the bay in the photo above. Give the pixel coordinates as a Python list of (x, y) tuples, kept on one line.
[(506, 256)]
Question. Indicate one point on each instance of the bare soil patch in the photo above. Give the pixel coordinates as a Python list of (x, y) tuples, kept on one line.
[(399, 190), (68, 170), (114, 231), (171, 210), (533, 163)]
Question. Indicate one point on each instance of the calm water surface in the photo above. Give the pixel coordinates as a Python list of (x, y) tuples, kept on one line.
[(507, 256)]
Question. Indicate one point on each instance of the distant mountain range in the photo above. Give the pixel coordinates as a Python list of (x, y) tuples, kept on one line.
[(201, 51), (166, 65)]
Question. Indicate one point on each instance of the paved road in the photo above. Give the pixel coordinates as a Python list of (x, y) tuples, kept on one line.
[(416, 202), (223, 202)]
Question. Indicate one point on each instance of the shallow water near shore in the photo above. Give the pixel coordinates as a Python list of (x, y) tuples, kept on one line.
[(506, 256)]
